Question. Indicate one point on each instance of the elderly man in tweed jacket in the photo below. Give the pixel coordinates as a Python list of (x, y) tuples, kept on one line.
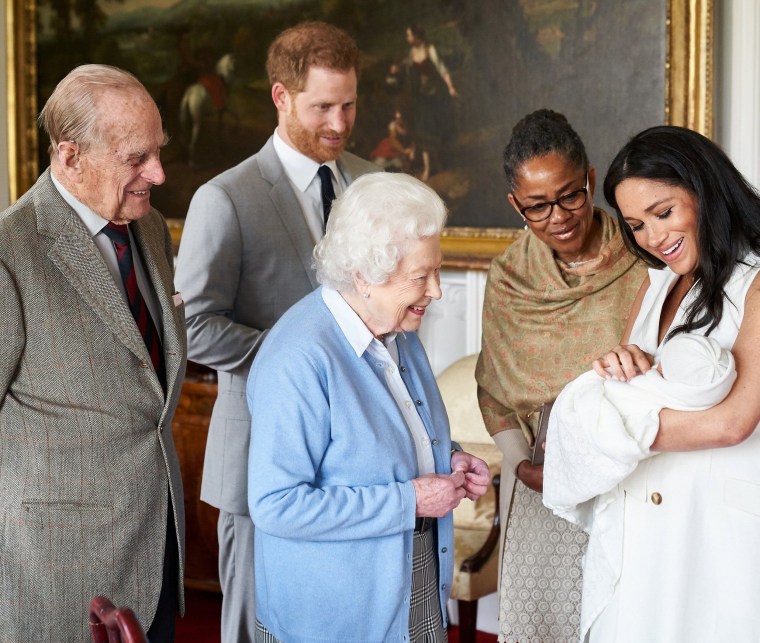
[(92, 357)]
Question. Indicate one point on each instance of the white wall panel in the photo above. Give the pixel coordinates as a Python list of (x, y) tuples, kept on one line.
[(737, 83), (452, 326)]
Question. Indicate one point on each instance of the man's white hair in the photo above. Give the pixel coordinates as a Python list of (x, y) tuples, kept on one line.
[(71, 113)]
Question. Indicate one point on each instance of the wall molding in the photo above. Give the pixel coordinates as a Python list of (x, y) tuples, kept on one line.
[(738, 87)]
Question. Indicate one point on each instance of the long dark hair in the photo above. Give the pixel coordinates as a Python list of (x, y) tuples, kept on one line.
[(728, 215)]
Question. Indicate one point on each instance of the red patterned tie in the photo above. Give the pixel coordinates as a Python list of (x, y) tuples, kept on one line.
[(119, 235)]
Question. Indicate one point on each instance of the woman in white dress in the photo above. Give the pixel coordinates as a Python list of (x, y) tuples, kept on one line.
[(689, 551)]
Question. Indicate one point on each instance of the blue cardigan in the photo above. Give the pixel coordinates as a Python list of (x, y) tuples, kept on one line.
[(329, 485)]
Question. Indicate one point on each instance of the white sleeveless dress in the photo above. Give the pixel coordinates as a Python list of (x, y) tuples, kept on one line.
[(691, 535)]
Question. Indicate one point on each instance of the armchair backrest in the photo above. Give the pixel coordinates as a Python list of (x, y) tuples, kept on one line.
[(459, 391)]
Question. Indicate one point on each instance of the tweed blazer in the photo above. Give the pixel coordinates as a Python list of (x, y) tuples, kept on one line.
[(88, 468), (245, 258)]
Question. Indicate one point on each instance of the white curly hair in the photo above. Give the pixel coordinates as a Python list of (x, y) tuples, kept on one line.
[(371, 226)]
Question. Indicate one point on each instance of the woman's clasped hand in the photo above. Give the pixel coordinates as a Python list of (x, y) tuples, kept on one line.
[(623, 362)]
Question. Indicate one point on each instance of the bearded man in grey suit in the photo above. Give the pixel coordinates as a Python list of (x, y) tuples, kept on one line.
[(90, 490), (246, 257)]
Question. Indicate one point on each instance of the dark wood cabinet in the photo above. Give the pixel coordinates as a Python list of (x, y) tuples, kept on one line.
[(191, 423)]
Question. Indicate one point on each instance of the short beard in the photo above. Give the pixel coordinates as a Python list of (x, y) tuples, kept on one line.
[(308, 143)]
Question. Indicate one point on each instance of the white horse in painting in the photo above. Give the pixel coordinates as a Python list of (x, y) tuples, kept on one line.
[(197, 102)]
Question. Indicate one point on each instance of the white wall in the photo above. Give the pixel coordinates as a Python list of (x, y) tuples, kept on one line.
[(737, 83), (452, 326)]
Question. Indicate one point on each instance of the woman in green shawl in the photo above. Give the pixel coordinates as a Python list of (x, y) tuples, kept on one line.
[(553, 299)]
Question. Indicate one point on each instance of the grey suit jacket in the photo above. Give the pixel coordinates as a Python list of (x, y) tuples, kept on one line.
[(87, 459), (245, 258)]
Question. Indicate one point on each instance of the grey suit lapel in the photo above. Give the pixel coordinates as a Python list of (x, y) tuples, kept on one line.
[(287, 206), (348, 168)]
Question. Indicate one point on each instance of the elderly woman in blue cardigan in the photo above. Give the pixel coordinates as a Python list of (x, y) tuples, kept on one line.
[(352, 474)]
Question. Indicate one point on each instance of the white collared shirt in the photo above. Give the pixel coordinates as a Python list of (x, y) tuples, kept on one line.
[(95, 225), (302, 174), (385, 355)]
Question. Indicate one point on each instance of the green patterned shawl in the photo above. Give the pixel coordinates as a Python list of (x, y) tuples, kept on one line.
[(544, 323)]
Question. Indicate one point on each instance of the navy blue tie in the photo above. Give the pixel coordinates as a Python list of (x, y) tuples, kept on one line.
[(328, 193), (119, 236)]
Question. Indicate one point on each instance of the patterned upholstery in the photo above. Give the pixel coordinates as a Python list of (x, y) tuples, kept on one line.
[(473, 522)]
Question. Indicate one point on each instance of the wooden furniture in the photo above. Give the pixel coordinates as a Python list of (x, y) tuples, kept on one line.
[(191, 423), (109, 624)]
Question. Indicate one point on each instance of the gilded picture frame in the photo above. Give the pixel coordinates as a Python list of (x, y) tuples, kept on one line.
[(686, 85)]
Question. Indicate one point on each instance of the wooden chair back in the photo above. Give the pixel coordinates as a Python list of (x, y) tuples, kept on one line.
[(109, 624)]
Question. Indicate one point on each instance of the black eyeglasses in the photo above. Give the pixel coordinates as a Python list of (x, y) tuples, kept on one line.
[(541, 211)]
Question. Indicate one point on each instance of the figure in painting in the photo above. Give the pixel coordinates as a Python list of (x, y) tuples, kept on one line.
[(396, 152), (429, 90), (207, 95)]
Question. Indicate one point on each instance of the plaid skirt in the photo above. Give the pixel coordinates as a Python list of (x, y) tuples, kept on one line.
[(425, 619)]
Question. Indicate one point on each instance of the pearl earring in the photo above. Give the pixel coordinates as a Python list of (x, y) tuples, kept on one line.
[(365, 294)]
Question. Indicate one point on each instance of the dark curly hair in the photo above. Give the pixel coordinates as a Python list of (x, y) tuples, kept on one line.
[(728, 215), (538, 134)]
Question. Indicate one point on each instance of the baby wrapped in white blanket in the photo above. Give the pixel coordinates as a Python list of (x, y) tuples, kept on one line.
[(600, 429)]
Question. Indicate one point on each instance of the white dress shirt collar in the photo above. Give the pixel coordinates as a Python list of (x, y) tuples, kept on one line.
[(92, 221), (95, 225), (355, 330), (300, 169)]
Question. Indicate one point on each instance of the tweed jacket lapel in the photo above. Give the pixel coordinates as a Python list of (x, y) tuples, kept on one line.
[(77, 257), (287, 206), (150, 239)]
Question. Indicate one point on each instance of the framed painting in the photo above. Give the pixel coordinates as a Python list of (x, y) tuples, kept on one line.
[(612, 68)]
